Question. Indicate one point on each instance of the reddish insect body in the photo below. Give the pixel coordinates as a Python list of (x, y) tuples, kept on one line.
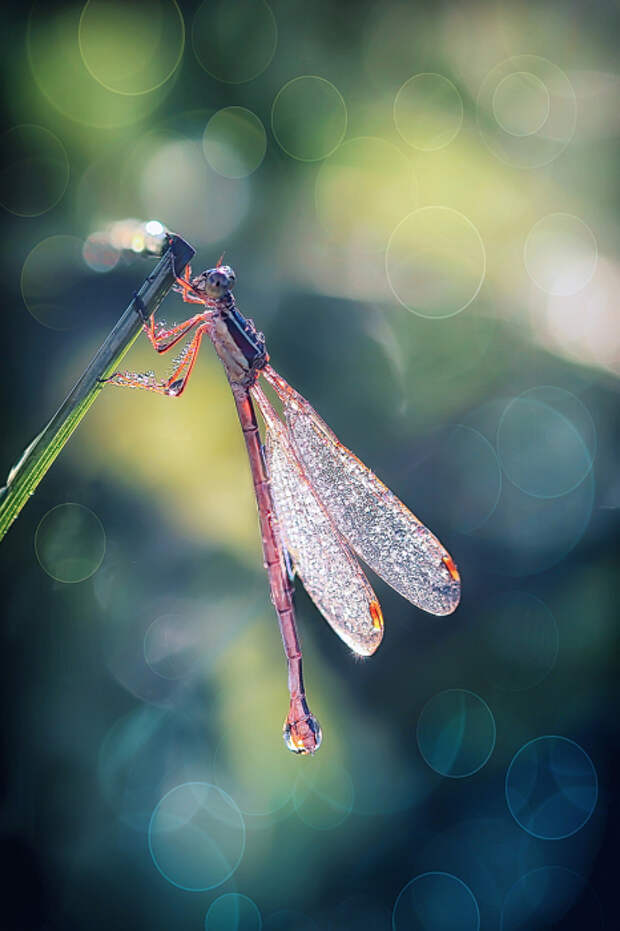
[(317, 502)]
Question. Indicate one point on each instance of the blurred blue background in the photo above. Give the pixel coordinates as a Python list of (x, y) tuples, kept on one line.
[(421, 204)]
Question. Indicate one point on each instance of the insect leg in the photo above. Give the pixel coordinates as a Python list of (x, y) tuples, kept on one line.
[(163, 338), (184, 288), (175, 384)]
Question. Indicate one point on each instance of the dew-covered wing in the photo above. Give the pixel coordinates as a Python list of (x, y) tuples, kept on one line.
[(330, 573), (375, 523)]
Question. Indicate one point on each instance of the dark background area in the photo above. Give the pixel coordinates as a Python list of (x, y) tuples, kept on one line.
[(477, 376)]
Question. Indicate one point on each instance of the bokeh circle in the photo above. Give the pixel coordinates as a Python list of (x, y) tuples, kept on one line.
[(435, 262), (456, 733), (526, 111), (233, 912), (436, 901), (428, 111), (234, 42), (234, 142), (521, 103), (172, 645), (99, 253), (551, 787), (560, 254), (546, 441), (35, 170), (69, 543), (309, 118), (59, 71), (48, 281), (196, 836), (131, 48)]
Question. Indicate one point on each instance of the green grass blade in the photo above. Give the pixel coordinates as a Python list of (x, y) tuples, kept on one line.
[(40, 454)]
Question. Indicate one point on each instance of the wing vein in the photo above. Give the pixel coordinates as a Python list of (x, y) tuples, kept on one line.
[(374, 522), (328, 569)]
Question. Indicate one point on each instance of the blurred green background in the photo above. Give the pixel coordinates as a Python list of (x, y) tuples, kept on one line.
[(421, 204)]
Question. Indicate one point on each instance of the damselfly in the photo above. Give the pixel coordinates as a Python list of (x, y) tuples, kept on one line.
[(317, 503)]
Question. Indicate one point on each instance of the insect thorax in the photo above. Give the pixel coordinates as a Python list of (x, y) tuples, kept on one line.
[(238, 343)]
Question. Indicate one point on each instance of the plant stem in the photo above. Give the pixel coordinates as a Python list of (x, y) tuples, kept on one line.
[(40, 454)]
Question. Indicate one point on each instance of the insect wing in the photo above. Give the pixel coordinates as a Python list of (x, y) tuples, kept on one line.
[(330, 573), (375, 523)]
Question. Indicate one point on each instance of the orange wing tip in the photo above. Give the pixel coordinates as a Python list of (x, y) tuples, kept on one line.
[(451, 567), (376, 615)]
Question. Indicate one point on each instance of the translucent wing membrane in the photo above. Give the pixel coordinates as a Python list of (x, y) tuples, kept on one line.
[(330, 573), (376, 524)]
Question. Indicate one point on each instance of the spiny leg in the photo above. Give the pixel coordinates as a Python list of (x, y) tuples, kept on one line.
[(173, 386), (163, 338)]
